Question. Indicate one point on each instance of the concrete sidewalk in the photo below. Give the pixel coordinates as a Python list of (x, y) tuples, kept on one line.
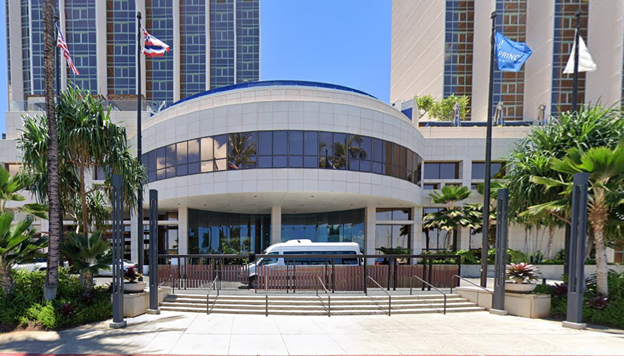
[(200, 334)]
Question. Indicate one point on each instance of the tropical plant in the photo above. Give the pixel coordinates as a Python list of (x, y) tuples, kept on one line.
[(242, 151), (521, 272), (89, 255), (605, 193), (87, 139), (442, 110), (131, 274), (17, 245), (451, 216)]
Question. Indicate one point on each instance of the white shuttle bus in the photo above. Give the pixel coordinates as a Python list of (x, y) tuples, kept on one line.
[(305, 247)]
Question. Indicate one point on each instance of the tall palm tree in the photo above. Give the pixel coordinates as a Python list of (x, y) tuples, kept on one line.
[(452, 215), (606, 193), (89, 255), (243, 151), (51, 283), (88, 139)]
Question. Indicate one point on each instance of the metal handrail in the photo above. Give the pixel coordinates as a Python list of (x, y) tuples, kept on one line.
[(172, 282), (266, 295), (326, 292), (389, 296), (465, 280), (213, 285), (430, 285)]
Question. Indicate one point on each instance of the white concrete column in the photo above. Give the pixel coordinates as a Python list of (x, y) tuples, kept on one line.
[(276, 224), (417, 242), (134, 236), (182, 230), (369, 232)]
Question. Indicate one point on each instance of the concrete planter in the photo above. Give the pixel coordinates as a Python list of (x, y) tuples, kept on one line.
[(519, 287), (520, 304), (137, 303), (134, 287)]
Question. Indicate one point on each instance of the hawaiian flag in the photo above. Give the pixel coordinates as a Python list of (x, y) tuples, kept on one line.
[(153, 46), (60, 42)]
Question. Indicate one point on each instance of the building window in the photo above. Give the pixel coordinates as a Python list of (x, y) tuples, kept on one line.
[(442, 170), (335, 226), (438, 240), (563, 39), (392, 236), (497, 170), (394, 214), (283, 149), (428, 186), (459, 28)]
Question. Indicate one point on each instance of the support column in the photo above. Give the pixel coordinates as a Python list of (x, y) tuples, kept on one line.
[(369, 232), (134, 240), (182, 230), (417, 243), (276, 225)]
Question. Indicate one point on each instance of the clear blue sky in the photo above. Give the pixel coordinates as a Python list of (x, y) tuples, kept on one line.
[(345, 42)]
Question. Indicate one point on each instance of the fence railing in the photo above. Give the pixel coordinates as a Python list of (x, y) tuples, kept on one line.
[(388, 294), (422, 281), (327, 293), (212, 286), (300, 272)]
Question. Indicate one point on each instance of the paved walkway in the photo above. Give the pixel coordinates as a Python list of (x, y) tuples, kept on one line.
[(474, 333)]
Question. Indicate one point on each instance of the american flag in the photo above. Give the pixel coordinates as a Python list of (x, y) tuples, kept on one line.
[(153, 46), (60, 42)]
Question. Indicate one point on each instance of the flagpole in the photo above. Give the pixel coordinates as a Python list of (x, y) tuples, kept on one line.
[(139, 149), (488, 159), (57, 68), (577, 36)]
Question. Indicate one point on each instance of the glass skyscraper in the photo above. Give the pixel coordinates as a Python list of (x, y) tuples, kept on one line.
[(213, 43)]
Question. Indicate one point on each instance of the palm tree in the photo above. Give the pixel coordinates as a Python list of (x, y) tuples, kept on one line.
[(17, 245), (452, 215), (9, 186), (51, 283), (88, 139), (606, 193), (89, 255), (243, 151)]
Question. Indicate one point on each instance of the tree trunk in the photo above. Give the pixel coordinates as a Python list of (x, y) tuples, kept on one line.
[(88, 281), (51, 283), (5, 279), (598, 215), (551, 237), (83, 201)]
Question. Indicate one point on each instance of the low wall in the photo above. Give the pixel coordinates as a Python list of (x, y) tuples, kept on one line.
[(553, 272), (137, 303), (519, 304)]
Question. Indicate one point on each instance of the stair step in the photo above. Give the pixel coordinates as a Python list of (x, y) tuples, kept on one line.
[(310, 298), (318, 306), (337, 301)]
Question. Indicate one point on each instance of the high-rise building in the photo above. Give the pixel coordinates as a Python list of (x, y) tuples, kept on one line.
[(213, 43), (443, 48)]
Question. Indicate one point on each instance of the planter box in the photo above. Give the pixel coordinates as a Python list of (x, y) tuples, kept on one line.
[(519, 304), (137, 303)]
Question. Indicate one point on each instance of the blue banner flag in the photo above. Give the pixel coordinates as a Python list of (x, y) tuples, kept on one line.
[(510, 55)]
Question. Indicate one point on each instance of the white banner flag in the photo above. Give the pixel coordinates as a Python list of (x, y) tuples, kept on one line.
[(586, 63)]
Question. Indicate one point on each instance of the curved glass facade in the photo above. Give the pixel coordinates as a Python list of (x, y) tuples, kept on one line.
[(335, 226), (283, 149)]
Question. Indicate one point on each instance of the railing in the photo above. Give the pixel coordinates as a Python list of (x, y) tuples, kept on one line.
[(465, 280), (172, 274), (430, 285), (328, 296), (213, 285), (389, 296), (266, 295)]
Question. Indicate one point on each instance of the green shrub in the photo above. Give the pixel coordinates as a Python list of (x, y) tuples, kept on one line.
[(26, 305)]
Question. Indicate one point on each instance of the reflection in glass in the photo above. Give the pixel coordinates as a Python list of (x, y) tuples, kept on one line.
[(392, 236), (242, 150)]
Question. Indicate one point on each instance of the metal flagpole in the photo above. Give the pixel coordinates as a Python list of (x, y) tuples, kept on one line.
[(58, 69), (141, 240), (488, 159), (576, 61)]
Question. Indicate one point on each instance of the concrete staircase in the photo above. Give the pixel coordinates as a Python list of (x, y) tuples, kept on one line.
[(313, 305)]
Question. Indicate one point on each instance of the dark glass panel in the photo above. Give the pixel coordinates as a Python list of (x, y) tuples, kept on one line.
[(207, 166), (171, 172), (378, 150), (193, 168), (387, 159), (432, 170), (265, 143), (325, 143), (171, 156), (377, 167), (365, 166), (478, 170), (151, 176), (242, 150), (182, 153), (280, 162), (448, 171), (161, 174), (152, 161), (193, 150), (295, 161), (280, 142), (310, 140), (310, 162), (265, 162), (295, 143), (182, 170)]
